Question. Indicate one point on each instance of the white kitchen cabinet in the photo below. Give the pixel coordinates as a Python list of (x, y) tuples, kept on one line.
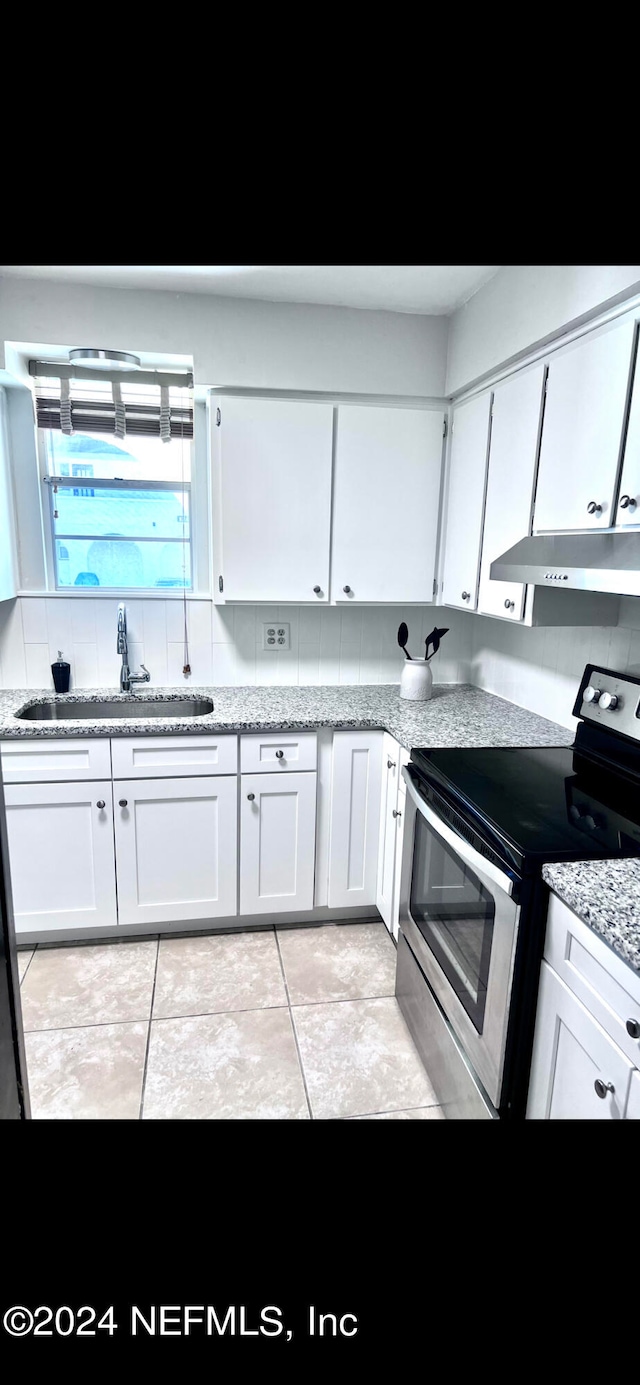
[(388, 828), (387, 471), (277, 842), (8, 566), (176, 849), (628, 501), (49, 759), (515, 430), (582, 432), (162, 757), (633, 1104), (572, 1057), (61, 856), (465, 499), (356, 781), (272, 499)]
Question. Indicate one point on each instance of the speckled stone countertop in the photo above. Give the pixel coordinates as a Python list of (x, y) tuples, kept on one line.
[(457, 715), (606, 895)]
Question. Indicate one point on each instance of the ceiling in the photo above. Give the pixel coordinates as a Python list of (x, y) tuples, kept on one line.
[(437, 289)]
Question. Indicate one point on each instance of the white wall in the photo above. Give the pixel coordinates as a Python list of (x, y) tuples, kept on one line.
[(540, 668), (237, 341), (327, 646), (525, 305)]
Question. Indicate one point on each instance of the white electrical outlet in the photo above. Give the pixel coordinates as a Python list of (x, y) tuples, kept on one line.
[(276, 635)]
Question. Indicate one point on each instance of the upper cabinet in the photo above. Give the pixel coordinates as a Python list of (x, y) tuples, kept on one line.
[(515, 430), (387, 476), (582, 435), (272, 499), (628, 506), (465, 502)]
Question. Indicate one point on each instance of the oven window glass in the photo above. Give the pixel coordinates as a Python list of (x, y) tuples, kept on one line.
[(456, 916)]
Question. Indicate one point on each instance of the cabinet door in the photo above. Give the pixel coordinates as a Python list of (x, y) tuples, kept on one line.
[(61, 856), (8, 575), (633, 1104), (275, 499), (515, 429), (570, 1054), (584, 416), (628, 506), (465, 502), (386, 485), (388, 832), (277, 842), (356, 780), (176, 849)]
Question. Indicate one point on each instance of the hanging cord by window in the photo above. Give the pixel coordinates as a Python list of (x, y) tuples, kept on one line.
[(187, 666), (66, 424), (120, 419), (165, 414)]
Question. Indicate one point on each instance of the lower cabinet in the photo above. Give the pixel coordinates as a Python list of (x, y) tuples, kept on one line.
[(176, 849), (355, 818), (278, 842), (388, 828), (578, 1072), (61, 855)]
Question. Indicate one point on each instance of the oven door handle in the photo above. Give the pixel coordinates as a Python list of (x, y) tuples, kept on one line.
[(460, 846)]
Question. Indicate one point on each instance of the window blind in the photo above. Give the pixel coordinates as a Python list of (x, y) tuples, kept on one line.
[(119, 406)]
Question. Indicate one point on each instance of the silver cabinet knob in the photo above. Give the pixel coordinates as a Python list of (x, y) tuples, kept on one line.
[(279, 754), (347, 590), (509, 605), (100, 803), (251, 797), (396, 814), (122, 802), (627, 502), (633, 1028), (465, 595), (593, 508), (603, 1087), (317, 590), (391, 764), (609, 701)]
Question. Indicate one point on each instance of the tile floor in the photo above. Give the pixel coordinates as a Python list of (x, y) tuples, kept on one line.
[(287, 1024)]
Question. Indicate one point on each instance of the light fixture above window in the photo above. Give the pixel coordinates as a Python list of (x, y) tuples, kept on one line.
[(103, 360)]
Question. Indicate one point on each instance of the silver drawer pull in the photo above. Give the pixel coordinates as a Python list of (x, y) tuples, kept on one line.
[(279, 754), (391, 764), (603, 1087), (633, 1028), (100, 803), (396, 814), (251, 797), (122, 802)]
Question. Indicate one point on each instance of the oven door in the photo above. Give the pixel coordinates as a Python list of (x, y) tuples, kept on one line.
[(458, 914)]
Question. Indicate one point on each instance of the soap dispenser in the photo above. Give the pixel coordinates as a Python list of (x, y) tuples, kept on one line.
[(61, 674)]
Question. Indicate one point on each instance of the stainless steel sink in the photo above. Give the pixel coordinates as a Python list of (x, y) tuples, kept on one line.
[(116, 710)]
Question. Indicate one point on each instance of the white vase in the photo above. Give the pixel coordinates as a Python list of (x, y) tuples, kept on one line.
[(416, 680)]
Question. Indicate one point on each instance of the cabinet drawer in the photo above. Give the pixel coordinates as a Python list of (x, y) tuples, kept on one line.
[(157, 757), (42, 760), (278, 752), (602, 981)]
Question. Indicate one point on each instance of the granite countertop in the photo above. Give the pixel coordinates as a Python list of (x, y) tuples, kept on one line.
[(606, 896), (457, 715)]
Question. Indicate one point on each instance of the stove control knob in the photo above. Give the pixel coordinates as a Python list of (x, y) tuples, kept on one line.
[(591, 694), (589, 822), (609, 701), (574, 813)]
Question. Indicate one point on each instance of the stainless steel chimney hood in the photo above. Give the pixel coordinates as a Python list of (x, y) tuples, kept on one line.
[(595, 562)]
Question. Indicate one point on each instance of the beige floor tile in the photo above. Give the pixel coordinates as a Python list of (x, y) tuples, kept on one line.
[(423, 1113), (202, 976), (87, 1074), (358, 1056), (238, 1066), (344, 962), (24, 959), (101, 984)]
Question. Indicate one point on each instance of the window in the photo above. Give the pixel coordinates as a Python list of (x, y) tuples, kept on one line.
[(119, 507)]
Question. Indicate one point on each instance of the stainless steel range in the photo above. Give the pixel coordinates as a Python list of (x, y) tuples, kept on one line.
[(480, 824)]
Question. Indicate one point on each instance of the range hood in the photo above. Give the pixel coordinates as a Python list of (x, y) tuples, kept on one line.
[(596, 562)]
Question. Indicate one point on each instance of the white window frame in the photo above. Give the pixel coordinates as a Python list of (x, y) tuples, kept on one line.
[(199, 535)]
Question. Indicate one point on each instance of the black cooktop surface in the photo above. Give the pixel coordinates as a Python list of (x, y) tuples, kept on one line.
[(549, 804)]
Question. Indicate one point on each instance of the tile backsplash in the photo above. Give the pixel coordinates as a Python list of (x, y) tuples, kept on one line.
[(330, 645)]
